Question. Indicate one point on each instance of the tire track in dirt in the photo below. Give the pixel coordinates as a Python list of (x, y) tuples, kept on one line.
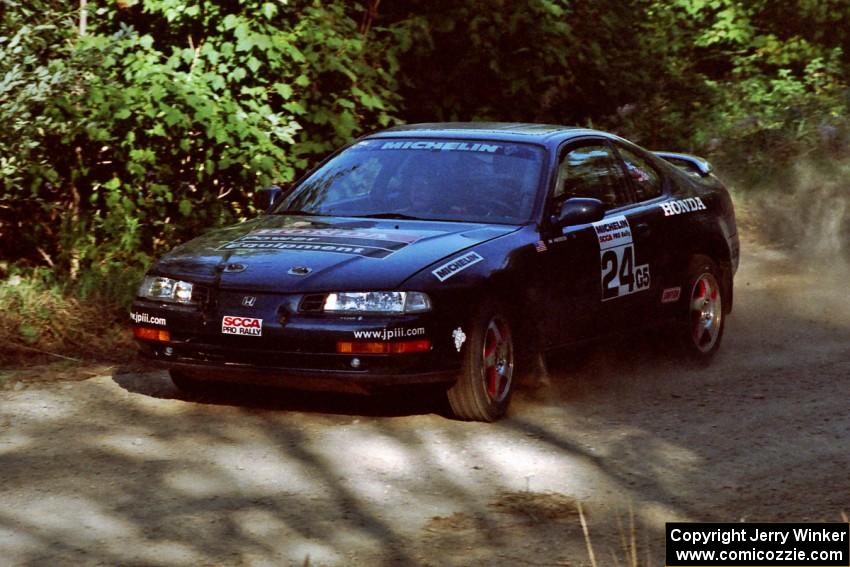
[(123, 469)]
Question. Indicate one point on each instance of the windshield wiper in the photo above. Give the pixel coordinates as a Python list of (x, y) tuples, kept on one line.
[(400, 216)]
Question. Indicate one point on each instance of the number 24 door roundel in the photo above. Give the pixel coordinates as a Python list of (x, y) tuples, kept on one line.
[(620, 276)]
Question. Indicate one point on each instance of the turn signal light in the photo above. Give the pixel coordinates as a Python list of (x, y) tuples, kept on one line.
[(399, 347), (150, 334)]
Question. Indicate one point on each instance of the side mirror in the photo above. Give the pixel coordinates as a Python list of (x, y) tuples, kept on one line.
[(580, 210), (268, 197)]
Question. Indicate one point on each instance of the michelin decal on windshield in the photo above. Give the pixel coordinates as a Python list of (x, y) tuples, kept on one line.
[(444, 146), (513, 150), (369, 243)]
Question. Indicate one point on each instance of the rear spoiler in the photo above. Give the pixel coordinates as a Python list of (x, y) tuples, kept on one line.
[(691, 164)]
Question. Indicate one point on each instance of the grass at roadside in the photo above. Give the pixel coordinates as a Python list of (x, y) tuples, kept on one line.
[(40, 322)]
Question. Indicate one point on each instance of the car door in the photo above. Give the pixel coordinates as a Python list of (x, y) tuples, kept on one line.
[(574, 269), (636, 304)]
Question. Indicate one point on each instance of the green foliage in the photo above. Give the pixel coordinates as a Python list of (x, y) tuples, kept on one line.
[(751, 85), (164, 118), (544, 60)]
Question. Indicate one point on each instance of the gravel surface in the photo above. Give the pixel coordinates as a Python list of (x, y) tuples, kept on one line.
[(120, 468)]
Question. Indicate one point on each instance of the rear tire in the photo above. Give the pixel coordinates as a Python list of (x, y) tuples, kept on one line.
[(483, 390), (703, 320)]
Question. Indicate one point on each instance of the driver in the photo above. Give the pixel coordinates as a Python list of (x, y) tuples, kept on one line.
[(422, 196)]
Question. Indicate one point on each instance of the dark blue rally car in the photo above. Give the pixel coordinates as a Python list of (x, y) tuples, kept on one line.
[(451, 254)]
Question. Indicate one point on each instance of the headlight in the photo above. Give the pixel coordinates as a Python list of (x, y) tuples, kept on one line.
[(166, 289), (377, 302)]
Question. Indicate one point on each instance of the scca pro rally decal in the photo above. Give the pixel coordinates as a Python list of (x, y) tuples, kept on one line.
[(682, 206), (231, 325), (620, 276), (369, 243), (459, 264)]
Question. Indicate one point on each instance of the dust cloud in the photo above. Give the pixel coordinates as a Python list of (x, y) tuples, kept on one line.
[(795, 247), (808, 216)]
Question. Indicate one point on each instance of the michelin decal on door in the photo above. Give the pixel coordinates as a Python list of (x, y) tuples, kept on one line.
[(620, 276)]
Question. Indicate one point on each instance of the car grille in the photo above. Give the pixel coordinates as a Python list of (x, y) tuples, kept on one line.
[(201, 294), (205, 297), (312, 303)]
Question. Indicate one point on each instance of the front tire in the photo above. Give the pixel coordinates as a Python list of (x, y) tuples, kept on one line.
[(483, 390), (701, 326)]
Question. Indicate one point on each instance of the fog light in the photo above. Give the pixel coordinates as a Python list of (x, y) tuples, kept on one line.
[(168, 351), (150, 334), (398, 347), (355, 363)]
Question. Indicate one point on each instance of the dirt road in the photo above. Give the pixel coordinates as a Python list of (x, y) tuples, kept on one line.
[(121, 469)]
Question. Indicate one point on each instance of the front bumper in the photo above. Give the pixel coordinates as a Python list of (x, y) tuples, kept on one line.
[(289, 370), (297, 350), (298, 379)]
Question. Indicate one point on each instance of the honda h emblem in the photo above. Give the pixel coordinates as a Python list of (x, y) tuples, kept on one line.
[(249, 301)]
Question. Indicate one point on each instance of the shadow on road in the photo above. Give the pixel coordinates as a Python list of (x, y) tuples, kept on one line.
[(142, 474), (409, 401)]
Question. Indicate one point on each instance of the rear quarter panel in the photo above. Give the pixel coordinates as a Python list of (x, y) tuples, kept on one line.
[(710, 230)]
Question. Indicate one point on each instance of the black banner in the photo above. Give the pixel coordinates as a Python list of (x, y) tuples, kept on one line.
[(370, 243), (757, 544)]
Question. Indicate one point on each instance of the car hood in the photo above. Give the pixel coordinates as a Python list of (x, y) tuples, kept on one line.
[(279, 253)]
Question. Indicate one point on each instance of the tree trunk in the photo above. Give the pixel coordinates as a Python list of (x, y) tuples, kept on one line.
[(84, 17)]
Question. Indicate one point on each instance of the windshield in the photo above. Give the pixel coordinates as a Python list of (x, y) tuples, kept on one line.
[(453, 180)]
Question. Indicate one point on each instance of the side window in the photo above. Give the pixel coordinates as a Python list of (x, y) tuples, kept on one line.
[(590, 171), (646, 180)]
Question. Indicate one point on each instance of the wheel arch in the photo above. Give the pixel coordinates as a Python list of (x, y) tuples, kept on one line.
[(524, 303), (715, 247)]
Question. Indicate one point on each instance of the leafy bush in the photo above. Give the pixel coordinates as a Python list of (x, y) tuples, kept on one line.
[(164, 121)]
